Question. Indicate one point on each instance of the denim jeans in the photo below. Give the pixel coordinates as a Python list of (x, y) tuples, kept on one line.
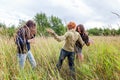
[(70, 56), (22, 59)]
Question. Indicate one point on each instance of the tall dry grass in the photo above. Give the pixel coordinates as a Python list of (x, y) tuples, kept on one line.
[(101, 62)]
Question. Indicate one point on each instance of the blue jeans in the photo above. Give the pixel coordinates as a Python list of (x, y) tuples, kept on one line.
[(22, 59), (70, 56)]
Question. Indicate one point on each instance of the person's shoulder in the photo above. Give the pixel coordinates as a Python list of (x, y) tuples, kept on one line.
[(77, 33), (67, 33), (86, 34), (21, 28)]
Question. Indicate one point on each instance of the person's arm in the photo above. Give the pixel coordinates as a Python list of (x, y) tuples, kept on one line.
[(86, 40), (58, 38), (31, 40), (80, 40), (23, 33), (91, 42), (21, 43), (88, 44)]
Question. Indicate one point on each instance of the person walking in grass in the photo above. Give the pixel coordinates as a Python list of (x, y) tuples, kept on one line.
[(70, 37), (24, 36), (78, 47)]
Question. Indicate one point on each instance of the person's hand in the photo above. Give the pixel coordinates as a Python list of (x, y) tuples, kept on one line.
[(31, 40), (49, 30), (88, 44)]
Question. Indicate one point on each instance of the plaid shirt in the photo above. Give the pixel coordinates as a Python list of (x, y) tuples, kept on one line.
[(21, 40)]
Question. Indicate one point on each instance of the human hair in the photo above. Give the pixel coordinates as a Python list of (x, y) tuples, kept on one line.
[(80, 28), (30, 23), (30, 29), (71, 25)]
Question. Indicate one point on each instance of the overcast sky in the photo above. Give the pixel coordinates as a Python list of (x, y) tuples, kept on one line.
[(90, 13)]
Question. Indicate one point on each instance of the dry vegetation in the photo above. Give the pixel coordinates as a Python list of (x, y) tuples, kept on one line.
[(102, 60)]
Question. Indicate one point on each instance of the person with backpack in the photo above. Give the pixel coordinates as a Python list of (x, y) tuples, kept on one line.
[(24, 36), (78, 47), (70, 37)]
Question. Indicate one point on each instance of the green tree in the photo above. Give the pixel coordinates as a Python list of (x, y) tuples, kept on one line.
[(118, 31), (11, 31), (2, 25), (107, 32), (3, 30), (42, 23), (113, 32), (95, 31), (57, 25)]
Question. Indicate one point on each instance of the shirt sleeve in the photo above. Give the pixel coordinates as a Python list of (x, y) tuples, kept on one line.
[(60, 38), (23, 35), (86, 38), (80, 40)]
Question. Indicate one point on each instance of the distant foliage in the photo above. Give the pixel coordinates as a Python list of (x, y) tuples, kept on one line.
[(7, 31), (11, 31), (105, 32), (118, 31), (95, 31), (44, 22), (56, 25), (2, 25)]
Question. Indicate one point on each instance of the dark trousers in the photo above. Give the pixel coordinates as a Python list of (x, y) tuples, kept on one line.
[(70, 56)]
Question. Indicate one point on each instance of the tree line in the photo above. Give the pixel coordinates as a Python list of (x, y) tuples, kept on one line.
[(43, 21), (104, 32)]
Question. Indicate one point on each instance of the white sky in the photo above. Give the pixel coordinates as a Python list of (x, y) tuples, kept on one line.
[(90, 13)]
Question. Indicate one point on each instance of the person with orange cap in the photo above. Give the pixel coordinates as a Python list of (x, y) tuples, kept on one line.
[(70, 37)]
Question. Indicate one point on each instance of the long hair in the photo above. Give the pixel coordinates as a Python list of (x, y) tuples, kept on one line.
[(31, 27), (30, 23), (27, 31), (82, 29)]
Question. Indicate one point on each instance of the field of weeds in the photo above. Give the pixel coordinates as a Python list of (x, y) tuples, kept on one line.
[(101, 60)]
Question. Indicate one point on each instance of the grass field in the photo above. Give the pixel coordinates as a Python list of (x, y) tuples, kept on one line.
[(101, 62)]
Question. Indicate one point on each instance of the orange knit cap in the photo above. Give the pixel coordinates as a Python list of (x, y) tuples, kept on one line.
[(71, 25)]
